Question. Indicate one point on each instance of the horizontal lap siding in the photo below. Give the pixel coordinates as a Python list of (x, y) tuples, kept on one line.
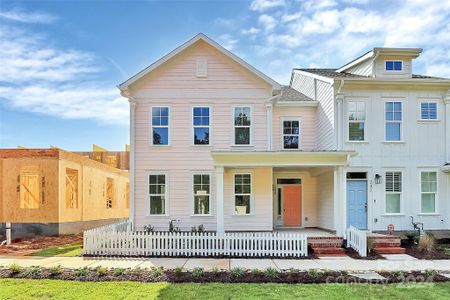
[(325, 202), (175, 85)]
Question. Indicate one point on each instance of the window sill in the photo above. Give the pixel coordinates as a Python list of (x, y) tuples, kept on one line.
[(158, 216), (393, 215), (159, 146), (246, 215), (202, 146), (241, 146), (393, 142), (357, 142), (209, 215), (428, 214), (428, 121)]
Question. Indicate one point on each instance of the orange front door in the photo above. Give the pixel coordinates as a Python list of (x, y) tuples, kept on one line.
[(292, 205)]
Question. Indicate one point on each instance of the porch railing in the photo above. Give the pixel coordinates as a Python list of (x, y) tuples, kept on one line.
[(357, 240), (210, 244)]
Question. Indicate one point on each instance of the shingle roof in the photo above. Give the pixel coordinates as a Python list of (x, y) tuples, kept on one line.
[(331, 73), (289, 94)]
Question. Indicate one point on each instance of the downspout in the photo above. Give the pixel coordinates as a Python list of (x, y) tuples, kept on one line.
[(340, 116), (447, 126)]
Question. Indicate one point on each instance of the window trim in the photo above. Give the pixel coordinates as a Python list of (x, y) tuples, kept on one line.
[(169, 131), (211, 193), (166, 194), (365, 140), (419, 118), (202, 126), (394, 61), (436, 198), (386, 192), (251, 213), (299, 132), (393, 100), (233, 138)]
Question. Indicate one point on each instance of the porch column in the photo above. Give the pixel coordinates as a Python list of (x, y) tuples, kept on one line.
[(447, 125), (132, 164), (340, 201), (219, 199)]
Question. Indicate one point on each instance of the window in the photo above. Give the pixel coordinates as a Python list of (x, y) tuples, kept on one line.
[(29, 188), (242, 123), (392, 65), (428, 111), (393, 118), (71, 188), (428, 192), (356, 120), (393, 192), (157, 192), (201, 194), (291, 134), (242, 193), (160, 125), (110, 193), (201, 125)]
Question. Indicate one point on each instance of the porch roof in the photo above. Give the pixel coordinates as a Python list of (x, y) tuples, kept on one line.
[(281, 158)]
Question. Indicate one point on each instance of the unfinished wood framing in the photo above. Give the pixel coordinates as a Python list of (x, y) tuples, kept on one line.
[(71, 188), (109, 192), (29, 187)]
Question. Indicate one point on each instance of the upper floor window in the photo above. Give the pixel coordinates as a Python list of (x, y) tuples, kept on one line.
[(291, 134), (428, 192), (393, 119), (393, 192), (160, 125), (157, 194), (242, 125), (242, 193), (394, 65), (201, 194), (428, 111), (201, 125), (356, 120)]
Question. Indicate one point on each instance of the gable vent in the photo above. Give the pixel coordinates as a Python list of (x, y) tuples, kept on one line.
[(202, 67)]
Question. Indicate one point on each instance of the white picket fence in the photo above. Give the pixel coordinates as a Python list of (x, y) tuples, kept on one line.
[(357, 239), (128, 243)]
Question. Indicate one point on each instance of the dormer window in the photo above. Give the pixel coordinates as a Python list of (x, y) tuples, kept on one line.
[(394, 65)]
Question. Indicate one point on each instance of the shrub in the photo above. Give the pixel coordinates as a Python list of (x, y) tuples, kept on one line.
[(215, 270), (55, 270), (137, 271), (101, 271), (431, 273), (32, 271), (255, 271), (149, 228), (271, 272), (157, 272), (198, 272), (313, 273), (201, 228), (412, 237), (119, 272), (15, 268), (293, 271), (82, 272), (426, 243), (398, 274), (237, 272), (178, 270)]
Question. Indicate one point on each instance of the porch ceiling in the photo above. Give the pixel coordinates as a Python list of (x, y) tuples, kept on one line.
[(281, 158)]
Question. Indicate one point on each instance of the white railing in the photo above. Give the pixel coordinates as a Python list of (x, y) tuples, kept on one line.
[(357, 239), (194, 244)]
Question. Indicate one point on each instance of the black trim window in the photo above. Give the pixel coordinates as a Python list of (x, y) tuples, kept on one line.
[(157, 193), (201, 122), (291, 134), (242, 125)]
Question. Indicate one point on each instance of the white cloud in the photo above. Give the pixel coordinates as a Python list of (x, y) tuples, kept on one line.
[(250, 31), (62, 83), (26, 17), (262, 5), (228, 42), (267, 21)]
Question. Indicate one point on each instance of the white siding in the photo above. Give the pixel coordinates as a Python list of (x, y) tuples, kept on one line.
[(325, 200), (364, 69), (381, 72)]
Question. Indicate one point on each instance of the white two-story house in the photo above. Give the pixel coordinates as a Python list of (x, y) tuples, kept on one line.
[(216, 142)]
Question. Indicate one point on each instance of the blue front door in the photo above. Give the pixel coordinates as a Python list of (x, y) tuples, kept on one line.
[(357, 203)]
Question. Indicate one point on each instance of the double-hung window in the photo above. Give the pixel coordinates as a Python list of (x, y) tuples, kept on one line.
[(160, 125), (242, 193), (394, 65), (201, 122), (201, 194), (356, 120), (393, 119), (428, 192), (242, 125), (291, 134), (393, 192), (157, 193), (428, 111)]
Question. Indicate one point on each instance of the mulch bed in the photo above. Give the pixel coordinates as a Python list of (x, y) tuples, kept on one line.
[(28, 245), (437, 253), (355, 255), (141, 275)]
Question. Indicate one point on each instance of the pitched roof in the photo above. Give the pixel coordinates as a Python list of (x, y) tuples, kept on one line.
[(124, 86), (331, 73), (289, 94)]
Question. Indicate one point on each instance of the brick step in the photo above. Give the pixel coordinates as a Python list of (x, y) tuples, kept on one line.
[(389, 250), (329, 251), (325, 245), (385, 245)]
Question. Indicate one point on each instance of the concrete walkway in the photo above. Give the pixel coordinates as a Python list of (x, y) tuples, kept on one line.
[(391, 263)]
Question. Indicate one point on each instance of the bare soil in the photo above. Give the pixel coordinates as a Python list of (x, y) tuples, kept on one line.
[(26, 246)]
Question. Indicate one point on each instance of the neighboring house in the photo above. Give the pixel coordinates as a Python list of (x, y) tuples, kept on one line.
[(216, 142), (116, 159), (52, 192)]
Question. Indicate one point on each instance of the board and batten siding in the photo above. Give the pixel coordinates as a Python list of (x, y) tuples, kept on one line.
[(174, 84)]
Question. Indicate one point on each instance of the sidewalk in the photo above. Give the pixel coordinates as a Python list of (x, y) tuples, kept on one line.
[(391, 263)]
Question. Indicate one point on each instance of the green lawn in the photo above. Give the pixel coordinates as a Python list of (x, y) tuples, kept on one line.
[(64, 250), (54, 289)]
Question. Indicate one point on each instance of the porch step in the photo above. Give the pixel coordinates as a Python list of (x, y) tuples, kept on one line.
[(386, 245), (389, 250), (325, 242), (329, 251)]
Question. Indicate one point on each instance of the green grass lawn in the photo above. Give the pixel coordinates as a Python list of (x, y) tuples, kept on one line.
[(55, 289), (64, 250)]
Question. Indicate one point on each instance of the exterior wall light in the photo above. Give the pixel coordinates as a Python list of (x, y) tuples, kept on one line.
[(378, 179)]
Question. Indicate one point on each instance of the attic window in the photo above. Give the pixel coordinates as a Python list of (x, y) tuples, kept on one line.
[(394, 65), (202, 67)]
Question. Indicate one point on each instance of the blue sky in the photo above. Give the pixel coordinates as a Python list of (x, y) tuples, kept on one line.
[(60, 61)]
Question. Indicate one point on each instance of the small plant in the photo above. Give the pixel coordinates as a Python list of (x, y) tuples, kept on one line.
[(343, 272), (431, 273), (193, 229), (237, 272), (398, 274), (82, 272), (255, 271), (137, 271), (157, 272), (15, 268), (313, 273), (55, 270), (101, 271), (293, 271), (271, 272), (447, 251), (149, 228), (178, 270), (412, 237), (119, 272), (201, 228), (427, 243), (32, 271), (215, 270), (198, 272)]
